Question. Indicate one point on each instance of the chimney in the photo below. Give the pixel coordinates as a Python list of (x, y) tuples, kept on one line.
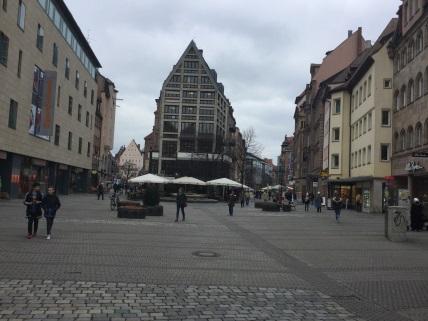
[(349, 33)]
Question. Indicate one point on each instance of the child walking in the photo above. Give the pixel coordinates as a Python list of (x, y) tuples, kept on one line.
[(50, 205), (33, 201)]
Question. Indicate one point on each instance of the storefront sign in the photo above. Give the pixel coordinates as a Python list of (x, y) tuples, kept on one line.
[(413, 166)]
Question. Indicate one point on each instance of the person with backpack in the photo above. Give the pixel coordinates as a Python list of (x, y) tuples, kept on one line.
[(337, 205), (306, 200), (50, 204), (231, 202), (33, 201), (181, 202)]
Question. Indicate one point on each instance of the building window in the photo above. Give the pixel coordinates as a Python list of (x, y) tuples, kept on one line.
[(369, 88), (188, 110), (58, 98), (87, 119), (85, 89), (206, 128), (92, 97), (418, 134), (80, 145), (21, 15), (79, 113), (365, 91), (361, 127), (369, 154), (419, 85), (70, 105), (19, 64), (4, 48), (364, 156), (67, 68), (169, 148), (55, 55), (410, 141), (13, 113), (336, 134), (402, 140), (40, 37), (88, 150), (356, 100), (337, 106), (70, 140), (4, 5), (419, 42), (384, 152), (77, 80), (411, 92), (57, 134), (90, 124), (170, 127), (387, 83), (369, 121), (171, 109), (403, 97), (335, 161), (364, 124), (386, 118), (360, 98)]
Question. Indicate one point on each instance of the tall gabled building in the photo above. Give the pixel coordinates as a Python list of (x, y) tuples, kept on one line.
[(194, 124)]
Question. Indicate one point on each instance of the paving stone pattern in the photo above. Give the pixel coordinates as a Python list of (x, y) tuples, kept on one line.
[(269, 266)]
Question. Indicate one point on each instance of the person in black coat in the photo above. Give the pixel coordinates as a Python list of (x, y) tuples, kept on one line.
[(50, 205), (100, 191), (33, 201), (181, 204), (416, 213)]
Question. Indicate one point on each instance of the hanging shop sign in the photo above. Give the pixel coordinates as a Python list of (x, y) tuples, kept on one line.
[(413, 166)]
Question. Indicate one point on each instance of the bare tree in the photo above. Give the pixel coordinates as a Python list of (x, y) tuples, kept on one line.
[(128, 170), (249, 144)]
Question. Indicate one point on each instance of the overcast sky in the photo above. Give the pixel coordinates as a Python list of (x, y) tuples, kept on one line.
[(261, 51)]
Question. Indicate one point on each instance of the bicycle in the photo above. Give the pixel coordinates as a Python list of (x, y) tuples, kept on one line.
[(114, 201)]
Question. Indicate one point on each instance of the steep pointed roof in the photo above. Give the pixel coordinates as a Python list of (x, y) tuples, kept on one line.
[(211, 73)]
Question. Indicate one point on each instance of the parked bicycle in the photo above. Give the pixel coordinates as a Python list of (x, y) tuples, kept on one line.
[(114, 201)]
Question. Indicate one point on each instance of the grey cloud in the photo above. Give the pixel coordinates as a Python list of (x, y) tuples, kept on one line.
[(261, 50)]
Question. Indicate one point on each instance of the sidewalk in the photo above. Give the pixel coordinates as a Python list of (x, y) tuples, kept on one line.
[(252, 266)]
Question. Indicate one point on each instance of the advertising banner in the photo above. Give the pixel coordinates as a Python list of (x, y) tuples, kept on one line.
[(42, 103)]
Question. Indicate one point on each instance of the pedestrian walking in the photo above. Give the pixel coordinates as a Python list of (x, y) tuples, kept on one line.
[(50, 205), (416, 216), (318, 202), (337, 205), (231, 202), (358, 202), (306, 200), (181, 204), (33, 201), (247, 197), (100, 191), (242, 198), (311, 199)]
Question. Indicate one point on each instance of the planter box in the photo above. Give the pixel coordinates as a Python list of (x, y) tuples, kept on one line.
[(129, 203), (154, 210), (132, 212)]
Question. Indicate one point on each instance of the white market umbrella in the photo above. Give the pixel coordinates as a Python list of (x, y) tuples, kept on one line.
[(188, 181), (278, 187), (224, 182), (149, 179)]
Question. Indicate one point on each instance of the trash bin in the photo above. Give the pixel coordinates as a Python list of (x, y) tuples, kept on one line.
[(396, 223)]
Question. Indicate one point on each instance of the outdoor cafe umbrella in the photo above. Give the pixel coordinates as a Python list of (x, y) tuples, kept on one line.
[(188, 181), (149, 179), (224, 182)]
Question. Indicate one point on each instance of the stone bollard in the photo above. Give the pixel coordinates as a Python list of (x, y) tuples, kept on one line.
[(396, 224)]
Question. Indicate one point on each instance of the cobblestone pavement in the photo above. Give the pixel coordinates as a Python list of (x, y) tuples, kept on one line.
[(253, 266)]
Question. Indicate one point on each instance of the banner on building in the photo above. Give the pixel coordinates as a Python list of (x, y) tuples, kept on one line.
[(42, 103)]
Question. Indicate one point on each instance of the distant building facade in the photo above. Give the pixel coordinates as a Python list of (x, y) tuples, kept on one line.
[(130, 160), (47, 98), (103, 162), (309, 115), (194, 124), (285, 163), (410, 115), (258, 172)]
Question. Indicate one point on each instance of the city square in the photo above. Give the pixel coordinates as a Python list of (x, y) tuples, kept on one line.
[(251, 266)]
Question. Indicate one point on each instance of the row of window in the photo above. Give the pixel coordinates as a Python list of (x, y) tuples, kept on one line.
[(12, 124), (411, 138), (407, 94), (187, 110), (4, 52), (361, 126), (411, 49), (190, 79), (410, 7), (360, 95), (361, 157), (172, 127)]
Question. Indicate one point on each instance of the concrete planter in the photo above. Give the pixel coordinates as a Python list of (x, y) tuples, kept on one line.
[(133, 212)]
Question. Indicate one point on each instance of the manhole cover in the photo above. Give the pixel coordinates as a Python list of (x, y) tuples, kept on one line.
[(205, 254)]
